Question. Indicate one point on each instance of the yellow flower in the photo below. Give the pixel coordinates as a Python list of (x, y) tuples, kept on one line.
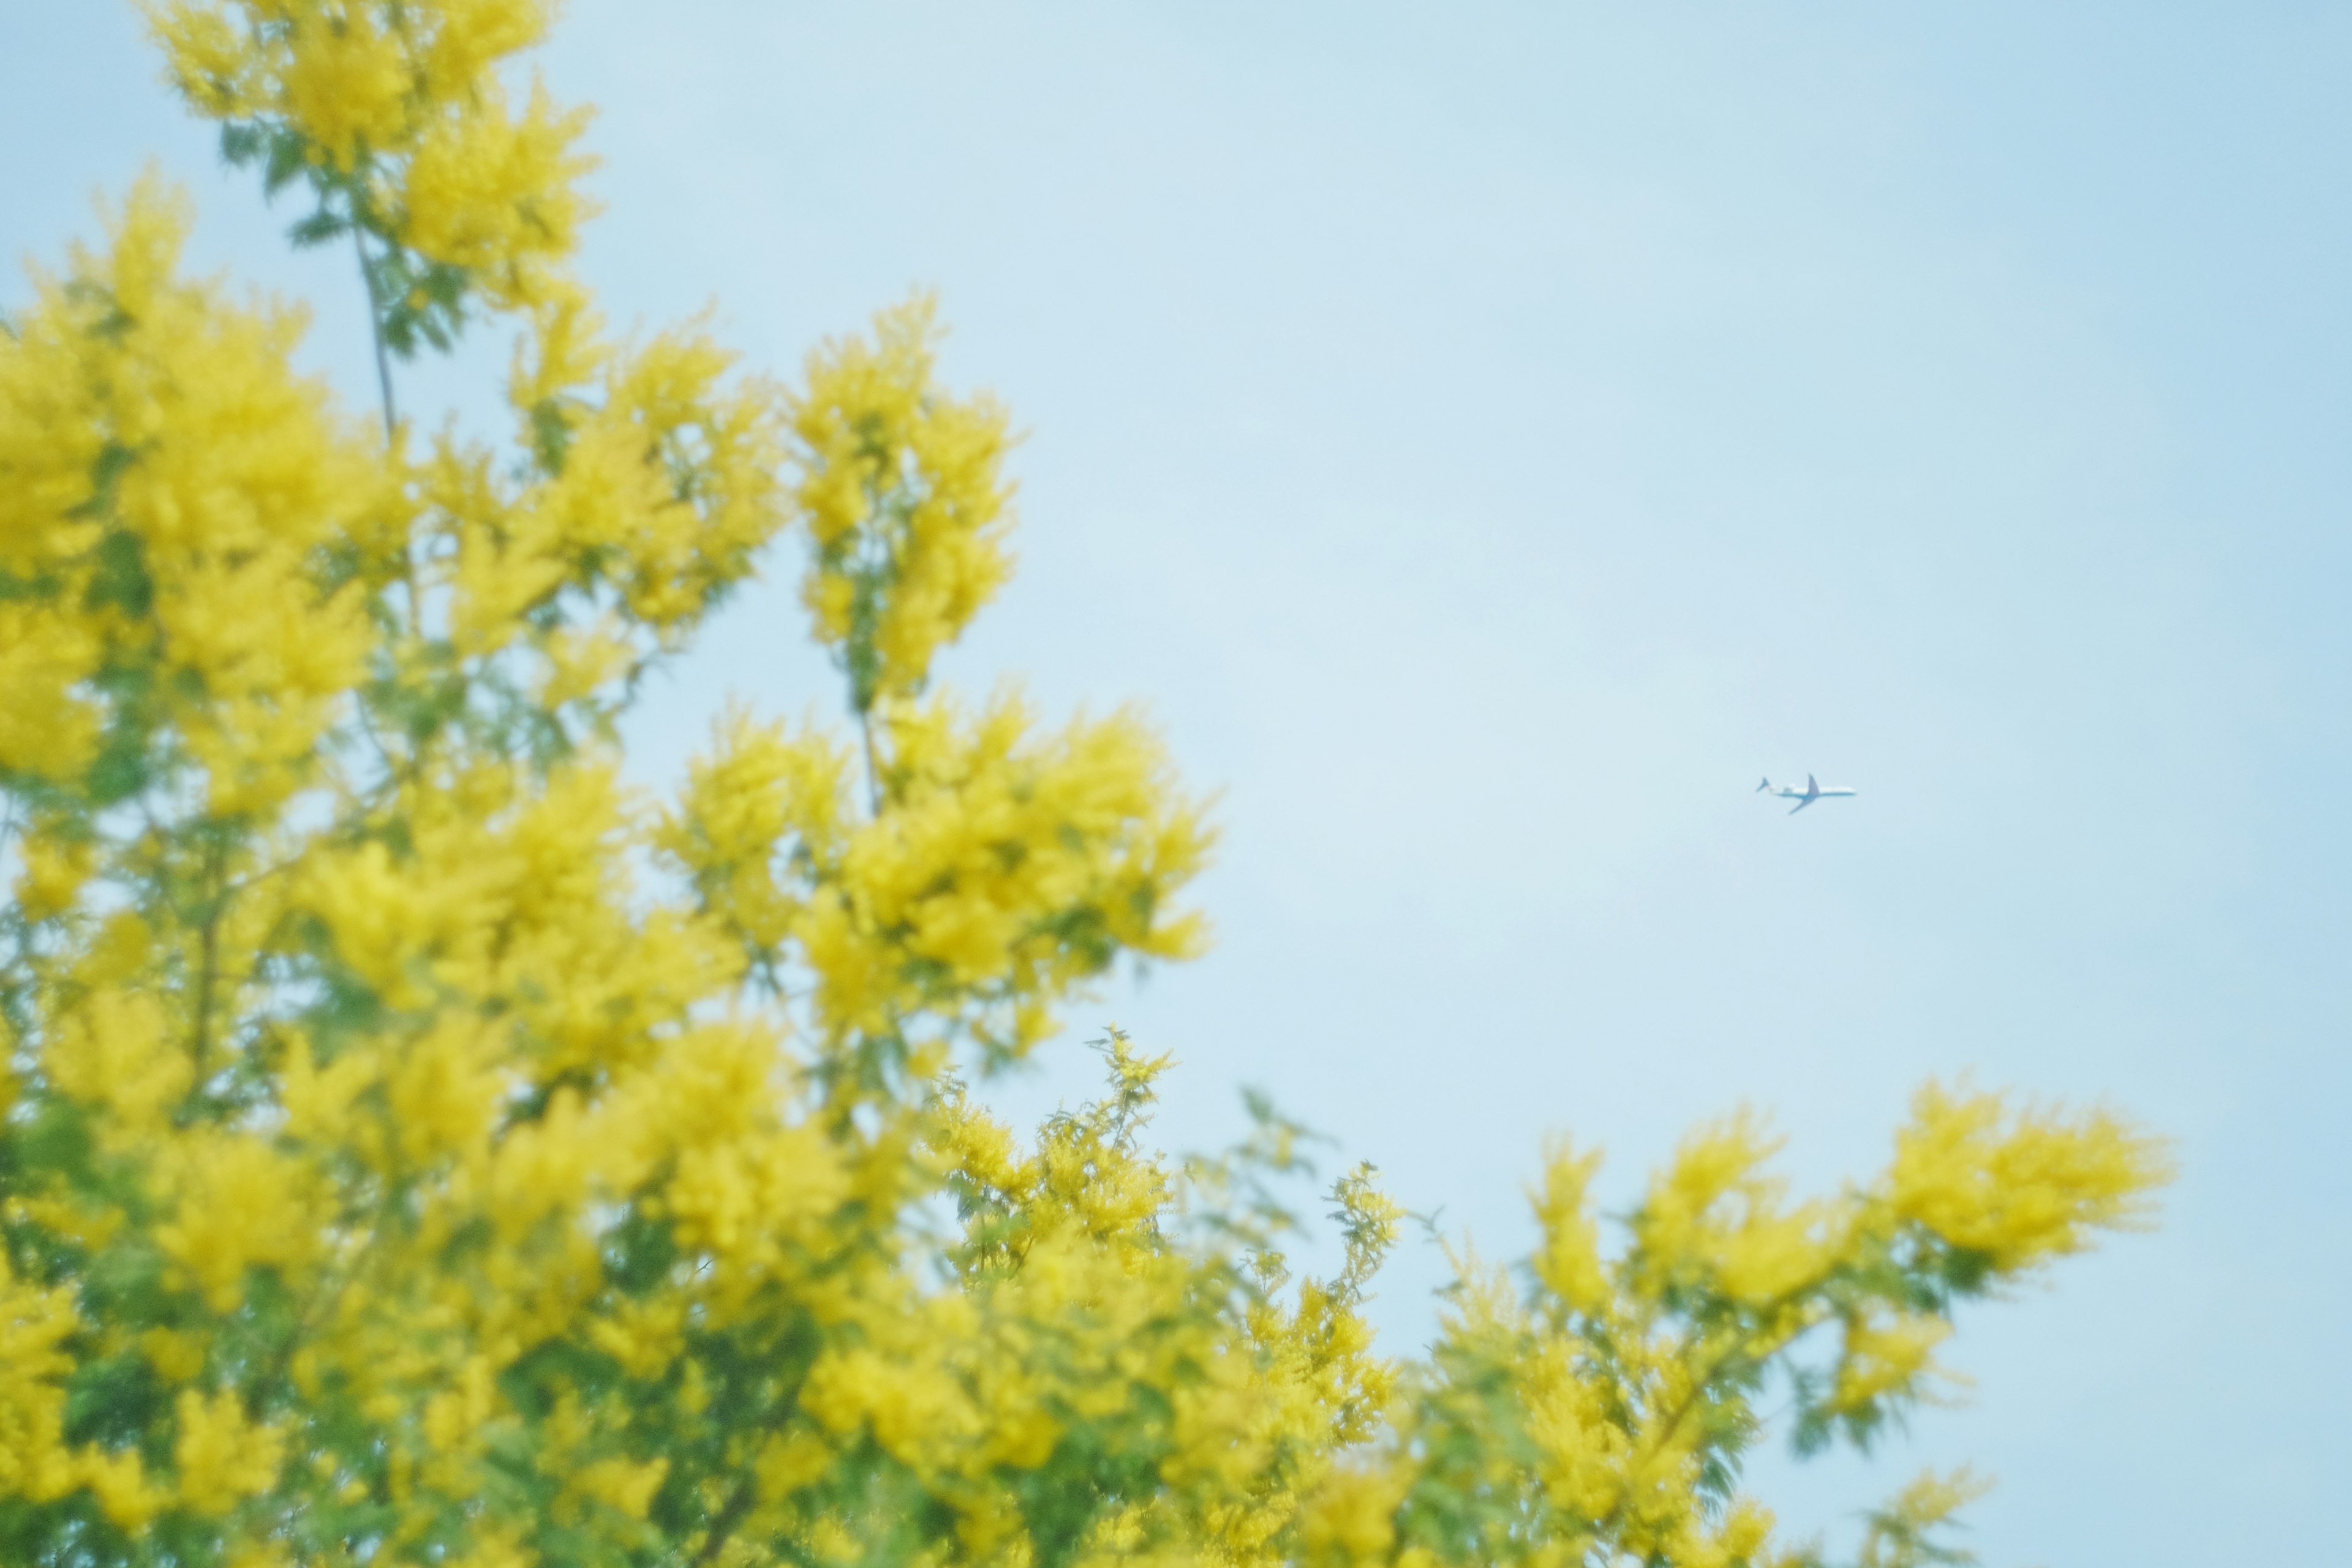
[(55, 870), (2020, 1187), (580, 661), (453, 1415), (909, 1401), (45, 729), (1353, 1515), (1568, 1263), (117, 1051), (407, 98), (36, 1323), (178, 1355), (237, 1204), (470, 37), (221, 1456), (443, 1090), (345, 80), (210, 62), (618, 1484), (901, 491), (1893, 1538), (496, 193), (791, 1461), (124, 1493), (1886, 1356)]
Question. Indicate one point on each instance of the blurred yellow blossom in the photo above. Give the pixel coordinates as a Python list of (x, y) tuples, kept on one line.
[(2020, 1187), (496, 193), (220, 1456), (397, 115), (901, 491)]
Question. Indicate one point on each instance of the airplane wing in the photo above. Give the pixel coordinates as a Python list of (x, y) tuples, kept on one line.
[(1802, 804)]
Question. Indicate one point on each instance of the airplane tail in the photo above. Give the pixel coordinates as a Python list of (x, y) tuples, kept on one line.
[(1765, 786)]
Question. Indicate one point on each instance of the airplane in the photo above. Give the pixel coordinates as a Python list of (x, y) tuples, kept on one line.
[(1805, 796)]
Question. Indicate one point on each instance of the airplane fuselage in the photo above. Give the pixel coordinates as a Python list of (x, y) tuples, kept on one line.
[(1805, 796)]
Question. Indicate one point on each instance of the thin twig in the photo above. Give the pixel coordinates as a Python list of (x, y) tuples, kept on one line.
[(376, 308), (872, 772), (208, 972), (723, 1523), (375, 328)]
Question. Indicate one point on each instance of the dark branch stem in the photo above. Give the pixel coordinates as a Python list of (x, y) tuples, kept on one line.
[(872, 772), (723, 1523), (384, 384), (208, 971), (375, 327)]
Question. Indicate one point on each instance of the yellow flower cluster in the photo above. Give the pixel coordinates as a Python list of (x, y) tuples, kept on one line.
[(421, 1149), (493, 192), (396, 111), (218, 1456), (221, 1456), (2018, 1194), (170, 496), (36, 1323), (1001, 874), (665, 490), (1088, 1315), (903, 497), (1630, 1379)]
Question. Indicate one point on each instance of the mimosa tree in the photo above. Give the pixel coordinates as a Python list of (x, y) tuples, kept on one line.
[(421, 1149)]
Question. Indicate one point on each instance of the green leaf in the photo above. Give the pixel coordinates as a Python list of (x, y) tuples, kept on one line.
[(112, 1402), (317, 229), (121, 581), (289, 157), (241, 141)]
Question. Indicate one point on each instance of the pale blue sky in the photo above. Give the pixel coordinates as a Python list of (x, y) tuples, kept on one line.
[(1490, 437)]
